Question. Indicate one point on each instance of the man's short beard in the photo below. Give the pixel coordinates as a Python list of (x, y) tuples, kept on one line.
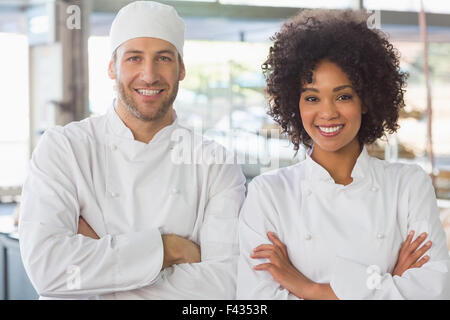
[(130, 104)]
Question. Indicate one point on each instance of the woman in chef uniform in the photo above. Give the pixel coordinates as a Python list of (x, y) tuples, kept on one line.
[(340, 224)]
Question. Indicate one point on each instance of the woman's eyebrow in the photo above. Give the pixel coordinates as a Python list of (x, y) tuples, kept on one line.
[(334, 90), (342, 87), (310, 89)]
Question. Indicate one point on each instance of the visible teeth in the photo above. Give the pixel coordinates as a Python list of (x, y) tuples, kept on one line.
[(148, 92), (330, 129)]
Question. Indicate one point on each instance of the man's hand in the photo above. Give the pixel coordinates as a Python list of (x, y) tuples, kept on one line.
[(409, 254), (179, 250), (85, 229)]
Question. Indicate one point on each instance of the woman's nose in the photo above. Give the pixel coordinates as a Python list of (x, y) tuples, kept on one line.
[(328, 110)]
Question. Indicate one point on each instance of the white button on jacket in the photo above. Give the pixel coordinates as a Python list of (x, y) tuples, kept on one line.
[(129, 192), (339, 234)]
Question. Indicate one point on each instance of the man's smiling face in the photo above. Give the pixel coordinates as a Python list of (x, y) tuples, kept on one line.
[(147, 72)]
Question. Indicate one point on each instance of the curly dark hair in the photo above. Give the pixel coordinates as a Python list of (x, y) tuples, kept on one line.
[(342, 37)]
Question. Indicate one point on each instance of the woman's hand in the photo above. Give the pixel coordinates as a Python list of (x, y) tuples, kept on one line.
[(409, 254), (281, 268)]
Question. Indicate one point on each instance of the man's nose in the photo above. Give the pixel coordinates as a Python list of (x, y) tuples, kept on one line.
[(149, 73)]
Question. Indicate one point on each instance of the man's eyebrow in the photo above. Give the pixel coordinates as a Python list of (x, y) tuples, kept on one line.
[(165, 51), (133, 52)]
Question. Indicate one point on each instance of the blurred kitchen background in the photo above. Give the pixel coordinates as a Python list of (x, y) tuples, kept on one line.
[(53, 70)]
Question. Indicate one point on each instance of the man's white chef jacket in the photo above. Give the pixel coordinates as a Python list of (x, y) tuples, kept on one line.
[(130, 193), (348, 236)]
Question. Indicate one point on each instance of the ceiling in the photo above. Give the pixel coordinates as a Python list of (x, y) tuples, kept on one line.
[(215, 21)]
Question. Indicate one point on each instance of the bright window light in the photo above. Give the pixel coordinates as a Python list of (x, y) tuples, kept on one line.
[(14, 110), (39, 24), (100, 85)]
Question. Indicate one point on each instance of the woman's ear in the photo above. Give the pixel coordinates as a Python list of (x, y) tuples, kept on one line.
[(364, 109)]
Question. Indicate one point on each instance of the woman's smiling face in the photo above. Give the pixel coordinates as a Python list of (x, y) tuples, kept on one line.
[(330, 109)]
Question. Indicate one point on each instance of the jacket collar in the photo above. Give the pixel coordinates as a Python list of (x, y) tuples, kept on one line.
[(315, 172), (120, 130)]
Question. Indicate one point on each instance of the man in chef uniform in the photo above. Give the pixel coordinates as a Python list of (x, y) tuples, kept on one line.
[(108, 209)]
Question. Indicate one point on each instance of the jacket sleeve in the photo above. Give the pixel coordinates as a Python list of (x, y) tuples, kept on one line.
[(215, 276), (353, 280), (257, 217), (61, 263)]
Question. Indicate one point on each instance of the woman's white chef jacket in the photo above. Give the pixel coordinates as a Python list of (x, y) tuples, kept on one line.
[(348, 236), (130, 193)]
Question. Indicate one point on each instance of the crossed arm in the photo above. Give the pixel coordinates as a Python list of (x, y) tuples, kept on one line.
[(284, 272), (177, 250)]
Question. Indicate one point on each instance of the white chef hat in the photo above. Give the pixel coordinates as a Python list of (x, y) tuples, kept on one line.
[(147, 19)]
